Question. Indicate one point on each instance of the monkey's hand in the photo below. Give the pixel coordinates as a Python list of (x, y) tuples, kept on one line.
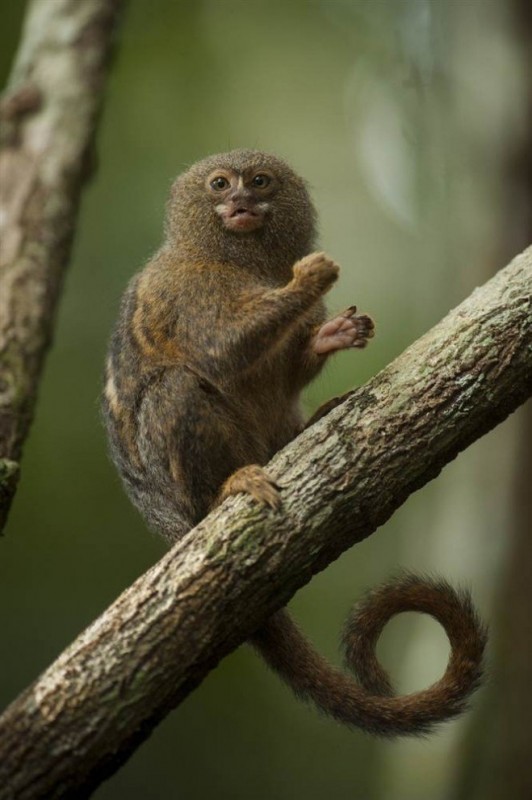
[(346, 330), (316, 272)]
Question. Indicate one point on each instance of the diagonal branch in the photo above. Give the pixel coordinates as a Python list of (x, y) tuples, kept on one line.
[(48, 116), (341, 479)]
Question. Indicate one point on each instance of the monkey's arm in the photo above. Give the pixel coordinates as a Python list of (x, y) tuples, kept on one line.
[(283, 313), (262, 320)]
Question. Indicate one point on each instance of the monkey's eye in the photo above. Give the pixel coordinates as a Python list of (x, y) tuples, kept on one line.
[(261, 180), (219, 183)]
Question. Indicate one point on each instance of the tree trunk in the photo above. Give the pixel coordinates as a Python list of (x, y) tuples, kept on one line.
[(49, 116)]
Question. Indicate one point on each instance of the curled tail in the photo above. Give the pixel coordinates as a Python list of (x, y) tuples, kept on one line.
[(370, 703)]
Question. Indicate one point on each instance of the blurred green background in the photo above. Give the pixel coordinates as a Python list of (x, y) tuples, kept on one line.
[(407, 118)]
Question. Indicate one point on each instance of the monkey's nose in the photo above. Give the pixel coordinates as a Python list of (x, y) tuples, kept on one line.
[(241, 196)]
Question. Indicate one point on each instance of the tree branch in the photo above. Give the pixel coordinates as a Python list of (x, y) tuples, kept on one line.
[(49, 116), (341, 479)]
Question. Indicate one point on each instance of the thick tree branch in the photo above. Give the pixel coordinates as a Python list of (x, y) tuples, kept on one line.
[(48, 116), (341, 479)]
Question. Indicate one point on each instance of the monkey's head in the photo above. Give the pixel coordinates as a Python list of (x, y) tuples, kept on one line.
[(244, 207)]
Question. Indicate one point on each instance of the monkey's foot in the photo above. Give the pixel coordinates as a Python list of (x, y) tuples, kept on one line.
[(252, 480), (348, 329)]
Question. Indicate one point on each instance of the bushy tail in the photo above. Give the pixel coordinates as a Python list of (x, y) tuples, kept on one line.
[(370, 704)]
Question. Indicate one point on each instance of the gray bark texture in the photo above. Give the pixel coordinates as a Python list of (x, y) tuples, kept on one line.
[(341, 479), (48, 116)]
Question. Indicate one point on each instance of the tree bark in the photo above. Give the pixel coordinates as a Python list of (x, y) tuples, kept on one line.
[(48, 116), (340, 480)]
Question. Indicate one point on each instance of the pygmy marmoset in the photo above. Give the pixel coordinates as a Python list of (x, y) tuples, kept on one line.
[(215, 340)]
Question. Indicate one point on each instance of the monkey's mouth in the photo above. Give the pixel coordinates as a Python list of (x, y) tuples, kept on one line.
[(244, 219), (241, 218)]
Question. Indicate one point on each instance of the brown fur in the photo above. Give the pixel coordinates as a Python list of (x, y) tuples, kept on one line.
[(215, 339)]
